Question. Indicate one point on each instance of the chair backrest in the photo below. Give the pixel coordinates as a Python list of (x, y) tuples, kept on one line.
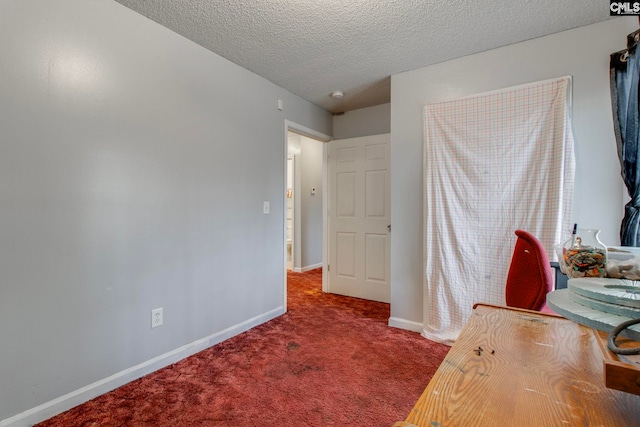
[(529, 278)]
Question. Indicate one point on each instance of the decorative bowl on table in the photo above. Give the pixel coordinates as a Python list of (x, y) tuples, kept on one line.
[(583, 255)]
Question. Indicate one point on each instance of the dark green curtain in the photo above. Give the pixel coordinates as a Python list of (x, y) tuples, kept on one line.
[(624, 75)]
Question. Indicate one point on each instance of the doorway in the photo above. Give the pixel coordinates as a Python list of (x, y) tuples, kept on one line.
[(304, 203), (302, 258), (290, 211)]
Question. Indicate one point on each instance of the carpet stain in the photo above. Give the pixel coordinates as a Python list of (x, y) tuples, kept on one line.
[(293, 346)]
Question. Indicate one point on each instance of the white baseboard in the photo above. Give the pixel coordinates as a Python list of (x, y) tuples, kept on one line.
[(306, 268), (405, 324), (84, 394), (311, 267)]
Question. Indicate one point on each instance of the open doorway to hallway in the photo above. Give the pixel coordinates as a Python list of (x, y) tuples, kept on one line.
[(289, 211), (304, 203), (308, 234)]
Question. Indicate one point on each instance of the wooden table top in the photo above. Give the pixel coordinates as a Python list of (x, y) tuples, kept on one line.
[(513, 367)]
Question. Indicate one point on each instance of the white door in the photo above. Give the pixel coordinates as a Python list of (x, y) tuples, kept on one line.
[(359, 218)]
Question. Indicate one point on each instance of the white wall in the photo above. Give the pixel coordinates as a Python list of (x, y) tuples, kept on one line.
[(599, 193), (133, 171), (374, 120)]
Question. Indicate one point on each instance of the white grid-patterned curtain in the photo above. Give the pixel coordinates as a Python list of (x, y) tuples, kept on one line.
[(493, 163)]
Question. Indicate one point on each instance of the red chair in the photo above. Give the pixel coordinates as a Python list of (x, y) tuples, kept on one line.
[(529, 278)]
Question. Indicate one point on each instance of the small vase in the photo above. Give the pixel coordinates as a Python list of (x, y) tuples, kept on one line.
[(584, 255)]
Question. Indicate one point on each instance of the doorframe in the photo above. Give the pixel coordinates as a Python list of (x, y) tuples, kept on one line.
[(290, 126)]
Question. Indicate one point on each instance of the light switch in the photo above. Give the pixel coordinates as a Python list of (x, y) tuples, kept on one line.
[(265, 208)]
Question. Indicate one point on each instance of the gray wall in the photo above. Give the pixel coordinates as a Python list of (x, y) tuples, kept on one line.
[(311, 215), (133, 171), (599, 193), (363, 122)]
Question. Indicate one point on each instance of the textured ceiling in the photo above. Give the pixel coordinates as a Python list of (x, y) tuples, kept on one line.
[(313, 47)]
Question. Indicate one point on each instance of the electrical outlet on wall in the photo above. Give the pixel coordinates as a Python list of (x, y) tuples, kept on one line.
[(156, 317)]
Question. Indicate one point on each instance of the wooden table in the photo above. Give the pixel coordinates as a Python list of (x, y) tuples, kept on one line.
[(513, 367)]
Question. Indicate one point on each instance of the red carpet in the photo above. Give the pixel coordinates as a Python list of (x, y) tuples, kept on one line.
[(329, 361)]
